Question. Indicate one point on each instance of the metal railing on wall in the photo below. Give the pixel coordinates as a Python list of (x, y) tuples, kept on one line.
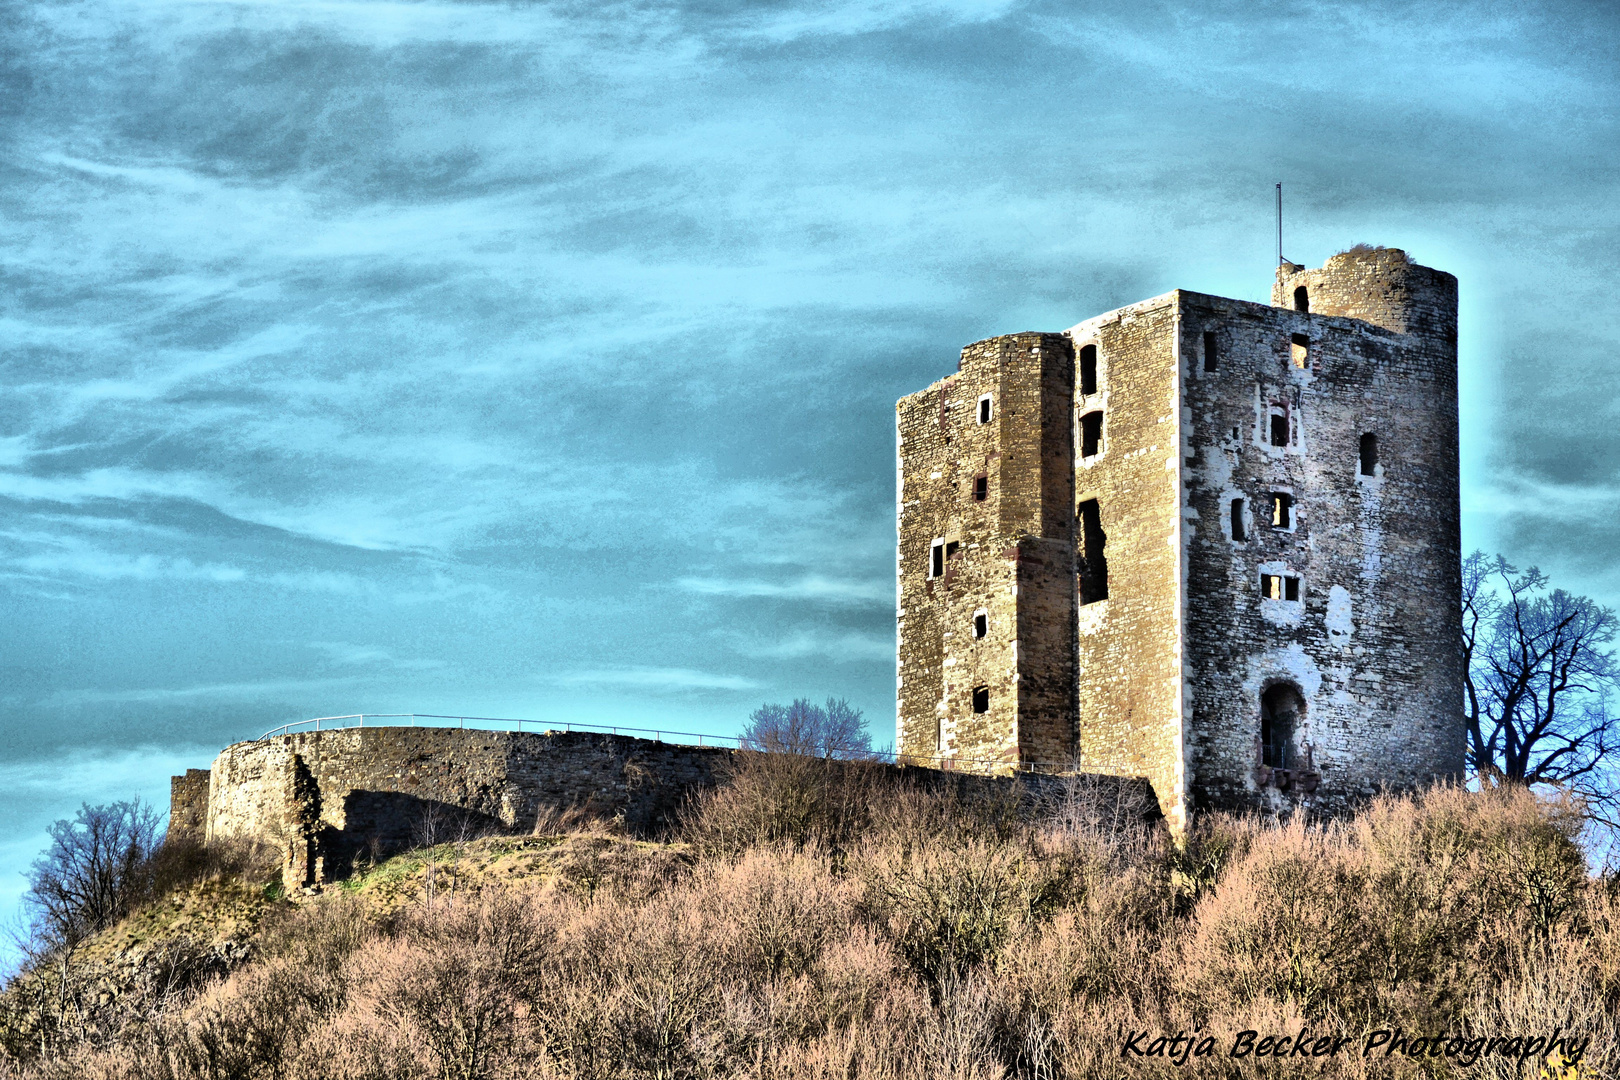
[(679, 738)]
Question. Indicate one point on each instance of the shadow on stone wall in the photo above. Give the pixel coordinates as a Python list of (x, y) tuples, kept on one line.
[(378, 824)]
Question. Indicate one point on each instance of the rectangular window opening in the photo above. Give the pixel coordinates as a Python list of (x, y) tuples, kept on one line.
[(1091, 428), (951, 549), (1088, 369), (981, 699), (936, 558), (1300, 348), (981, 487), (1210, 359), (1282, 510), (1369, 454), (1093, 564), (1279, 587), (1279, 427), (1238, 532), (984, 409), (981, 624)]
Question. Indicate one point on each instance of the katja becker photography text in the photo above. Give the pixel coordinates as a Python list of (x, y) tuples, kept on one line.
[(1559, 1047)]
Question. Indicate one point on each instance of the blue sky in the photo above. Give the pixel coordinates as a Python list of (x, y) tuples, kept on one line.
[(538, 359)]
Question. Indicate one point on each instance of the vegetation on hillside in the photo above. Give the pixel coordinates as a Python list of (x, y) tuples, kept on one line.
[(815, 918)]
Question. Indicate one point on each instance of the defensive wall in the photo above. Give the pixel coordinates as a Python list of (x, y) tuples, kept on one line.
[(324, 798)]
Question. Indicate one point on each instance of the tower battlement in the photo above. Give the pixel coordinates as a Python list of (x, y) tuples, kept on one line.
[(1206, 541)]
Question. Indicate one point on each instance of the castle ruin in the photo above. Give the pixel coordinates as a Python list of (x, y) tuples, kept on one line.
[(1209, 542)]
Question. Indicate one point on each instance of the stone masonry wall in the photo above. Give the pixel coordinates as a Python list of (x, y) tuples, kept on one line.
[(386, 788), (1372, 642), (188, 806), (323, 798), (1129, 644), (1009, 558), (1170, 669)]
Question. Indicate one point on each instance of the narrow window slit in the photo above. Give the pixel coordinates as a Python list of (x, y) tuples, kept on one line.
[(1093, 564), (1088, 369), (1282, 510), (1211, 360), (981, 487), (1369, 454), (981, 623), (1238, 532)]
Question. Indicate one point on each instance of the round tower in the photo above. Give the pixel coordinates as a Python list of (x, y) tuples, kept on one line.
[(1378, 285)]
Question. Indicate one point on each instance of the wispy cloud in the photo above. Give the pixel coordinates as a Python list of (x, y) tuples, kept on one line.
[(660, 678), (851, 646), (808, 588)]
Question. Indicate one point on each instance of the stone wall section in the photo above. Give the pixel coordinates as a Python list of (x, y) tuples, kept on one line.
[(1339, 400), (324, 799), (1372, 642), (335, 794), (998, 428), (1129, 684), (188, 807)]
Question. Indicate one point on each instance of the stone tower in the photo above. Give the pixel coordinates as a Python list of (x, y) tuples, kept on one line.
[(1201, 540)]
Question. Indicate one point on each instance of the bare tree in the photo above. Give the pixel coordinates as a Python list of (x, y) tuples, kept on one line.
[(94, 870), (833, 730), (1539, 681)]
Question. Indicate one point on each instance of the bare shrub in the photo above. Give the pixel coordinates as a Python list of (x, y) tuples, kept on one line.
[(1281, 926), (775, 911), (949, 908), (456, 979), (570, 820), (769, 799)]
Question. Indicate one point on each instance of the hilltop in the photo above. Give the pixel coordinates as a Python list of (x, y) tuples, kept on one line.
[(888, 932)]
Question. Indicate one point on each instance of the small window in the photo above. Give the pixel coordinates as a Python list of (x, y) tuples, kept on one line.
[(1302, 299), (1282, 510), (1279, 426), (1238, 532), (981, 487), (1369, 454), (981, 623), (1279, 587), (1211, 360), (1088, 369), (951, 549), (1300, 348), (936, 558), (1093, 564), (981, 699), (984, 409), (1091, 434)]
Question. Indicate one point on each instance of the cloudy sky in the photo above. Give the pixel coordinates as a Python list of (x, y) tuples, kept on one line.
[(538, 359)]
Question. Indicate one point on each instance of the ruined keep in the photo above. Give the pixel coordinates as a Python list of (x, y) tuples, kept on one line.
[(1209, 542)]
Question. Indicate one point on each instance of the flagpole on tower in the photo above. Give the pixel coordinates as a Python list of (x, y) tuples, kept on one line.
[(1279, 223)]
